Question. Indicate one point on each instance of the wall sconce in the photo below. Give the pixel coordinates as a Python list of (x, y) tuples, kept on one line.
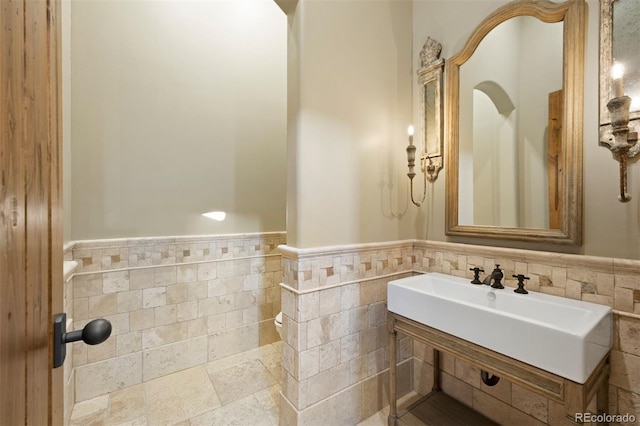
[(430, 83), (426, 168), (620, 140)]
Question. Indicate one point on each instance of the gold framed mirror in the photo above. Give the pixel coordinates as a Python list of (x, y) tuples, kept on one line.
[(517, 173)]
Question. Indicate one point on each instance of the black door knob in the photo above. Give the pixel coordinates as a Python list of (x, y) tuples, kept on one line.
[(95, 332)]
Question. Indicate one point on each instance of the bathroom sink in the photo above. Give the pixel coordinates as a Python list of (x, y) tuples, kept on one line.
[(563, 336)]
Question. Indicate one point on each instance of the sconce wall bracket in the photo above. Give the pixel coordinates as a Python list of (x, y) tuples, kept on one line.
[(431, 165), (607, 137)]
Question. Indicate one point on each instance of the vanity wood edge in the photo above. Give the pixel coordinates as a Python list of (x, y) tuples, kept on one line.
[(574, 396)]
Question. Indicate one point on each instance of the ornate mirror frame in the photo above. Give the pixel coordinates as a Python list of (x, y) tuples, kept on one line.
[(606, 60), (572, 13), (431, 73)]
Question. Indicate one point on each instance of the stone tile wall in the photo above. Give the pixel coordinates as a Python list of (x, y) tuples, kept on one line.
[(607, 281), (334, 353), (173, 303), (158, 292)]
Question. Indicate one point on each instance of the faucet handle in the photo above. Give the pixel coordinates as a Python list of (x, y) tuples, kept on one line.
[(476, 275), (521, 278), (497, 275)]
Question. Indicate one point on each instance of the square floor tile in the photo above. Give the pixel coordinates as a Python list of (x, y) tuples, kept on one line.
[(245, 411), (268, 397), (126, 404), (241, 380), (179, 396), (90, 412), (273, 362)]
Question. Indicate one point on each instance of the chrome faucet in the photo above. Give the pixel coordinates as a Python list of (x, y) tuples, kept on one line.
[(495, 276)]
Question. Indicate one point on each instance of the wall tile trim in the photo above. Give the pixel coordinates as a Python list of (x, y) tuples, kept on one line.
[(293, 253), (377, 277), (594, 263), (136, 268), (135, 241)]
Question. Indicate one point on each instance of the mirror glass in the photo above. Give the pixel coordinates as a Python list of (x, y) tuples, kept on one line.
[(514, 125), (430, 80), (430, 138), (626, 46), (505, 91)]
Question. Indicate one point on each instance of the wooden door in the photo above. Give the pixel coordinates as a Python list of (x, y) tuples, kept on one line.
[(30, 211)]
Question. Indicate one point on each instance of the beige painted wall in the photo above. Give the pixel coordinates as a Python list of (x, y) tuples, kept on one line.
[(348, 91), (349, 107), (177, 108), (611, 228)]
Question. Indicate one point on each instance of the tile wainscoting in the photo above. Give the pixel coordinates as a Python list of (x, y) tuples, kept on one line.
[(334, 353), (174, 303), (179, 302), (607, 281)]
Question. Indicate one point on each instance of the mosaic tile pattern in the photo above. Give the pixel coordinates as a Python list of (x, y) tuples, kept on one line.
[(101, 255), (310, 270), (607, 281)]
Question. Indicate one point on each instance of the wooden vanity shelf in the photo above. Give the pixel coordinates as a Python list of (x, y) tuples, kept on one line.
[(574, 396)]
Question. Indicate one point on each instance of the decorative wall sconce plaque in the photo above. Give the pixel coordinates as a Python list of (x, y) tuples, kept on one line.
[(430, 83), (620, 82)]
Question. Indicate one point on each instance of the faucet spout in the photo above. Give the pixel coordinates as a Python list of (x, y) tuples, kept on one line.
[(495, 276)]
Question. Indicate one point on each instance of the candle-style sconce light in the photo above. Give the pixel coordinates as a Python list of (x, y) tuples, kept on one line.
[(411, 160), (621, 141), (620, 83), (430, 82)]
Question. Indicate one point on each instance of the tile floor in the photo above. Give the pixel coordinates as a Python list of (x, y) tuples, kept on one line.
[(242, 389)]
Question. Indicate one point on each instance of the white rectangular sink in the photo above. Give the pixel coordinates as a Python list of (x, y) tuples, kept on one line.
[(563, 336)]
